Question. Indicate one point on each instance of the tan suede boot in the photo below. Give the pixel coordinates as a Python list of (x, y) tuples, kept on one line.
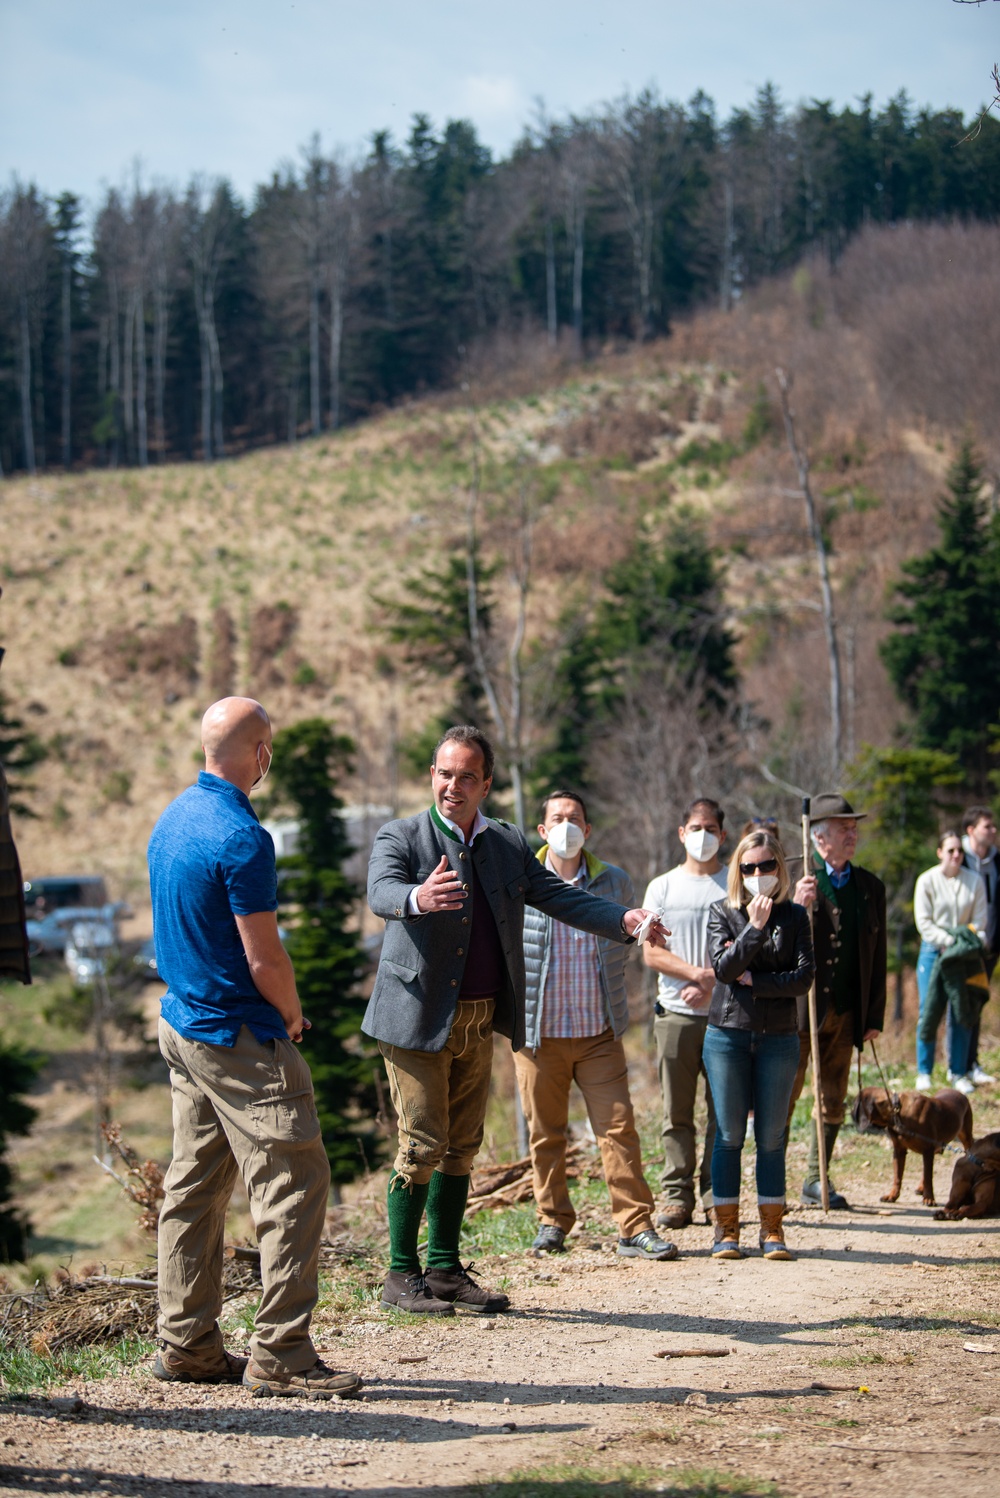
[(727, 1232), (772, 1234)]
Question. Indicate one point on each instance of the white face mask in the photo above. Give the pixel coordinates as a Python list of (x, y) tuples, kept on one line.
[(263, 773), (701, 845), (760, 884), (566, 839)]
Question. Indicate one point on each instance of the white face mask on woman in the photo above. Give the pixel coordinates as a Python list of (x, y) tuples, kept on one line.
[(566, 839), (760, 884), (701, 845)]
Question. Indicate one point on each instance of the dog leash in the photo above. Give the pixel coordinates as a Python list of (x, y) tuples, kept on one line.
[(896, 1125)]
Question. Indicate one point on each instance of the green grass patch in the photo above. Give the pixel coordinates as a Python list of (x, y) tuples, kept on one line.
[(624, 1482), (23, 1371)]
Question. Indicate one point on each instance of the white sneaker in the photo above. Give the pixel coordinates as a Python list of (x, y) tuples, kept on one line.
[(964, 1084), (980, 1077), (923, 1082)]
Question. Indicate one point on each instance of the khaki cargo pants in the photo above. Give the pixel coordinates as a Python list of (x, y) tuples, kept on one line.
[(244, 1110)]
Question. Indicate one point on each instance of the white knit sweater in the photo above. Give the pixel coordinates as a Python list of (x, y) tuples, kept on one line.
[(940, 903)]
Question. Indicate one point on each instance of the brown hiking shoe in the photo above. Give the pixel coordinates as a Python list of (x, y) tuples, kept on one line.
[(460, 1288), (173, 1368), (675, 1216), (411, 1292), (317, 1382)]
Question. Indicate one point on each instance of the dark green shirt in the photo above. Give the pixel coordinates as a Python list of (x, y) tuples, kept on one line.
[(847, 971)]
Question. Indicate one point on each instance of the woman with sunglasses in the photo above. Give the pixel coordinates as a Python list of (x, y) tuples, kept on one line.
[(760, 947)]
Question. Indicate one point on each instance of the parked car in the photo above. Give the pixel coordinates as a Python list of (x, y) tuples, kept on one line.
[(54, 902), (90, 946)]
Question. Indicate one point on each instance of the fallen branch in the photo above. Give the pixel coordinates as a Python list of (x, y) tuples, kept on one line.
[(694, 1352)]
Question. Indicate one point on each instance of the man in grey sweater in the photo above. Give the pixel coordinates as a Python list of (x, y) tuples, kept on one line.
[(452, 886)]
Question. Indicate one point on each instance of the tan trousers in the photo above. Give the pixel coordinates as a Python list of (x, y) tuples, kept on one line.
[(679, 1041), (245, 1110), (836, 1053), (440, 1097), (598, 1067)]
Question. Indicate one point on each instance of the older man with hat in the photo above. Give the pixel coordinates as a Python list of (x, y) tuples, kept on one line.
[(849, 934)]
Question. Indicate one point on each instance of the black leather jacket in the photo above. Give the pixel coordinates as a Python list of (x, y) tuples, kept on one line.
[(779, 959)]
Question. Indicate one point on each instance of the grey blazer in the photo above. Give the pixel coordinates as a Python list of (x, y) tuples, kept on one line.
[(423, 957)]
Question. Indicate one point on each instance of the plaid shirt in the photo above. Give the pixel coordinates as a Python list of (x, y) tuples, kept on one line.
[(573, 1005)]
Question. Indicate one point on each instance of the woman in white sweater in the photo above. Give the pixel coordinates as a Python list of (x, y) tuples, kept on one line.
[(945, 897)]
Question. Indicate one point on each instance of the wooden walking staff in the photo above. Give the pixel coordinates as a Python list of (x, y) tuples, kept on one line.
[(824, 1183)]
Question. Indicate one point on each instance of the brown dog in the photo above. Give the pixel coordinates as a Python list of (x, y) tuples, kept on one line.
[(914, 1122), (975, 1182)]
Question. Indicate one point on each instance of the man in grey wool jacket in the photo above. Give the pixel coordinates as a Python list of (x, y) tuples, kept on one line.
[(452, 886)]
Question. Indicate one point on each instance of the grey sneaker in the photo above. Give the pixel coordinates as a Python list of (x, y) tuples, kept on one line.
[(646, 1245), (317, 1382), (170, 1366), (410, 1292), (549, 1239)]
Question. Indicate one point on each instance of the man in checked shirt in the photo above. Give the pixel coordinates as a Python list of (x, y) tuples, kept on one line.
[(576, 1012)]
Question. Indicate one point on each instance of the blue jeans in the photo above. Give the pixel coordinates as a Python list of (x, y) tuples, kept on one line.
[(749, 1070), (959, 1036)]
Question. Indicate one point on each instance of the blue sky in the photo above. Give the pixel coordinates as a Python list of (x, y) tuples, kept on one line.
[(236, 86)]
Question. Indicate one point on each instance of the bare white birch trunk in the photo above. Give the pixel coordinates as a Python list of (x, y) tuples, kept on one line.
[(314, 389), (801, 460), (27, 426), (142, 433)]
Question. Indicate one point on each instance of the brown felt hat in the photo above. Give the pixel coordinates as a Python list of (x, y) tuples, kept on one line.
[(829, 805)]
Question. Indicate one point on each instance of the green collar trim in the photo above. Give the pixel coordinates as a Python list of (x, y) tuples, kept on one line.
[(594, 864), (442, 825)]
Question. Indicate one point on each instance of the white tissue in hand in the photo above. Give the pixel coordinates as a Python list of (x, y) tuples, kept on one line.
[(642, 930)]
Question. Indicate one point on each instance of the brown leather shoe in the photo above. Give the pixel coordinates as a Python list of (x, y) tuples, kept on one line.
[(675, 1216), (460, 1288), (317, 1382), (173, 1368), (410, 1292)]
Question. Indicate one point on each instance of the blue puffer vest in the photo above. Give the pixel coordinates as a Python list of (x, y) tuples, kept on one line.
[(611, 883)]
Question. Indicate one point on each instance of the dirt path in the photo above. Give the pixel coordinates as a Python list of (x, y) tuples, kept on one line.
[(879, 1297)]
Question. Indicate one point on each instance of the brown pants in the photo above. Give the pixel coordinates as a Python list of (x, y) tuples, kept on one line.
[(836, 1052), (244, 1110), (440, 1097), (598, 1067)]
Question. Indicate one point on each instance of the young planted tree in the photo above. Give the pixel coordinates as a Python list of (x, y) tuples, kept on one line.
[(317, 903), (942, 655)]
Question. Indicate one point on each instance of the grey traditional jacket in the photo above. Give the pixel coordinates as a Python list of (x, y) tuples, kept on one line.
[(604, 879), (423, 957)]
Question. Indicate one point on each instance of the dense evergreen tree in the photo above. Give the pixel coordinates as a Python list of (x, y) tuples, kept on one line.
[(659, 613), (318, 905), (17, 1072), (942, 655), (200, 325)]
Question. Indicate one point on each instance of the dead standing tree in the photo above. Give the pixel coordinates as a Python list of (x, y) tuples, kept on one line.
[(801, 460), (508, 719)]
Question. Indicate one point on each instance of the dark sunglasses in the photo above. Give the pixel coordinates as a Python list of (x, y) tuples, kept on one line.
[(768, 866)]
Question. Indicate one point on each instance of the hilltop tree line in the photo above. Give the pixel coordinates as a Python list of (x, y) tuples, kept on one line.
[(187, 324)]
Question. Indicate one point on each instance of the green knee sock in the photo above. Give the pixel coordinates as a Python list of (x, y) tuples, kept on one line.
[(406, 1208), (446, 1201), (830, 1132)]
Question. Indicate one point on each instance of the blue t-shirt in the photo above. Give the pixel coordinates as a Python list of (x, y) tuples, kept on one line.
[(210, 860)]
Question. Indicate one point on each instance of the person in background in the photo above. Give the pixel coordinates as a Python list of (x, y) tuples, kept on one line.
[(979, 848), (576, 1011), (849, 939), (944, 898), (683, 897), (761, 951), (761, 824)]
